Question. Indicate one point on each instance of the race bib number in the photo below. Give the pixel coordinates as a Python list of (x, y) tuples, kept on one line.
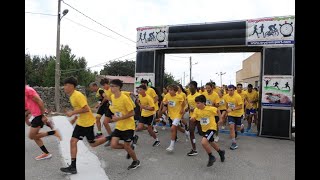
[(204, 121), (231, 105), (172, 103), (208, 103), (118, 114)]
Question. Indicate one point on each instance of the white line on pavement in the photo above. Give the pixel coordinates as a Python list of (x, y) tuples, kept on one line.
[(88, 164)]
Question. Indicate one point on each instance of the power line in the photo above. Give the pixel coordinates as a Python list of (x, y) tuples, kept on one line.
[(97, 22), (96, 31), (100, 64), (82, 26), (40, 13)]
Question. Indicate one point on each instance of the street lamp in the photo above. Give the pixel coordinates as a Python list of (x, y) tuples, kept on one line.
[(57, 70), (220, 74)]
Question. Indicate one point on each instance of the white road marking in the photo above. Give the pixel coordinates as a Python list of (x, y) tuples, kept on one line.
[(88, 164)]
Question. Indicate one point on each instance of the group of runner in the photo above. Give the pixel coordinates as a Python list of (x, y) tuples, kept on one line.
[(183, 110)]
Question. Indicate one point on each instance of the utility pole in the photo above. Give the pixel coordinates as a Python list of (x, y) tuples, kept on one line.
[(220, 74), (191, 68), (57, 70)]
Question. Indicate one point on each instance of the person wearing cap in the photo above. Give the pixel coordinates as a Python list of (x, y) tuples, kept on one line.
[(148, 112), (234, 107)]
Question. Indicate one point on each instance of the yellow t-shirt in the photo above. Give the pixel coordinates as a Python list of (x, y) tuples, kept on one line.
[(191, 101), (119, 107), (206, 117), (108, 93), (216, 89), (243, 96), (146, 101), (253, 96), (212, 98), (232, 102), (127, 93), (184, 97), (78, 101), (174, 105), (151, 92), (222, 103)]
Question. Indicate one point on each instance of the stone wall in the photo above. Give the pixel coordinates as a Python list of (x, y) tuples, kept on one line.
[(47, 95)]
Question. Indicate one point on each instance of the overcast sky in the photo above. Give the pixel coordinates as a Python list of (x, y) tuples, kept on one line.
[(99, 45)]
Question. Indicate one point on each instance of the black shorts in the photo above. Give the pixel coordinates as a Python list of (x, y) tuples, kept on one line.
[(80, 132), (146, 120), (234, 120), (108, 113), (37, 121), (102, 109), (209, 135), (126, 135)]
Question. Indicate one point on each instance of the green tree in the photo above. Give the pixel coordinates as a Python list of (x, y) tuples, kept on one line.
[(41, 71), (119, 68), (169, 79)]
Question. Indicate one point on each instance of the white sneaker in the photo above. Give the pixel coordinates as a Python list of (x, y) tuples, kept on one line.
[(170, 149), (222, 127), (163, 127), (216, 139)]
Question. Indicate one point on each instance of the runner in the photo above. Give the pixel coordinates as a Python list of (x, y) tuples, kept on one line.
[(102, 105), (34, 106), (222, 107), (243, 94), (235, 112), (183, 93), (123, 111), (215, 88), (206, 116), (147, 113), (192, 124), (85, 122), (175, 105), (251, 99), (212, 100), (151, 92)]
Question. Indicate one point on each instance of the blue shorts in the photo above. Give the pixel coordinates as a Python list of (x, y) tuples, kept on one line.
[(250, 111), (234, 120)]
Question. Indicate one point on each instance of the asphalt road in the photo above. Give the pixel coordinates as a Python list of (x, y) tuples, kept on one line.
[(256, 158)]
